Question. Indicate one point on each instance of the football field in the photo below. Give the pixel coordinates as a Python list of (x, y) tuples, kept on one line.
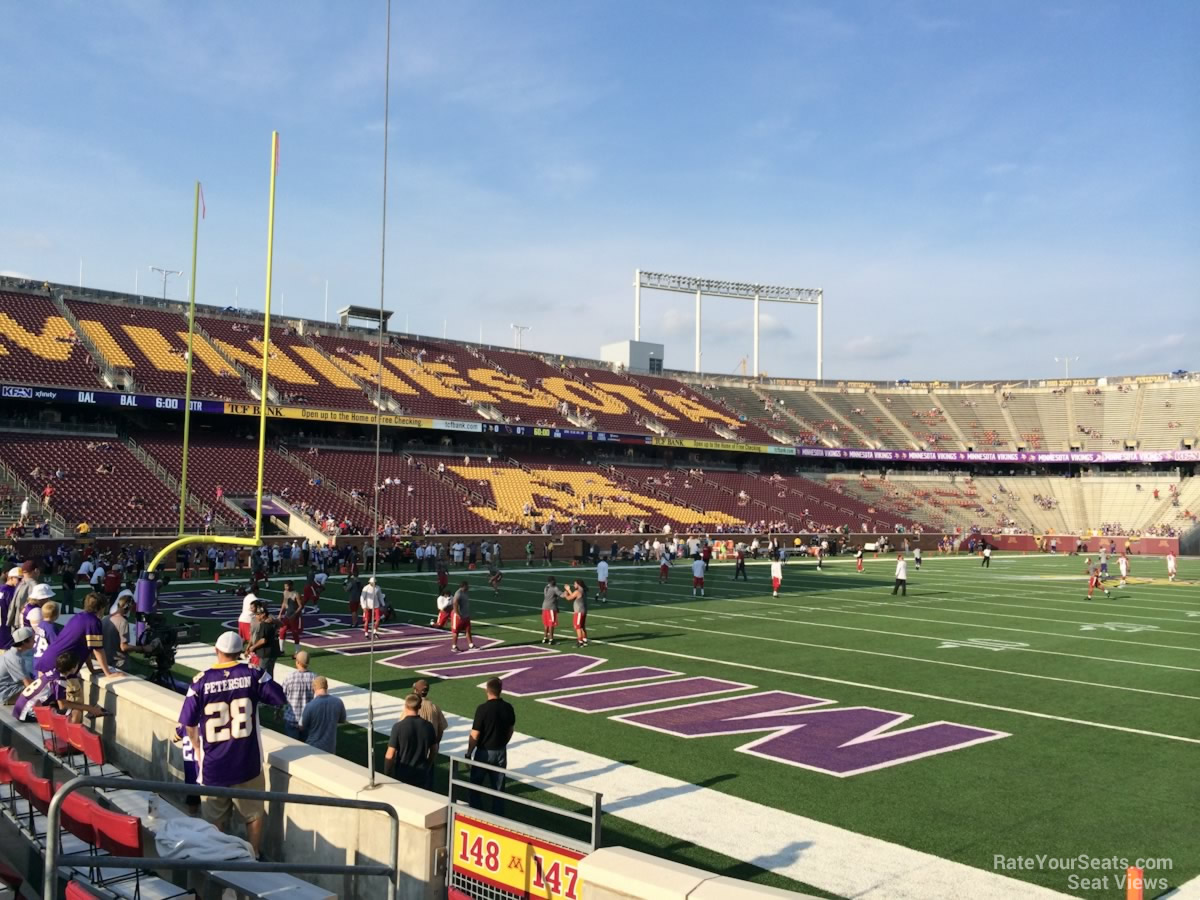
[(995, 716)]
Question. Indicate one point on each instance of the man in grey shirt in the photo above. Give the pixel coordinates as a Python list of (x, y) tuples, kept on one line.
[(321, 717), (16, 666), (353, 590), (550, 595), (116, 633)]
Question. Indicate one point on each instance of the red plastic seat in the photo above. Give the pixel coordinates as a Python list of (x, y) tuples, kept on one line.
[(60, 725), (36, 791), (6, 757), (76, 891), (45, 716)]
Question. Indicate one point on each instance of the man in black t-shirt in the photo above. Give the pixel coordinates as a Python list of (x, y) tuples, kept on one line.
[(410, 748), (491, 731)]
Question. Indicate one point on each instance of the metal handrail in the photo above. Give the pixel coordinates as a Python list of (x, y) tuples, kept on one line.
[(592, 798), (53, 816)]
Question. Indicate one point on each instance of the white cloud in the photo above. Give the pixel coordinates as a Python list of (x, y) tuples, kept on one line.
[(868, 346)]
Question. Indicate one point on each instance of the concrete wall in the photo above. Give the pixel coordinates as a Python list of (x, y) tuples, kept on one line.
[(616, 873), (137, 736)]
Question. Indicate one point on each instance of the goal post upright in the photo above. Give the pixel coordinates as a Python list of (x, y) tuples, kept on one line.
[(735, 290)]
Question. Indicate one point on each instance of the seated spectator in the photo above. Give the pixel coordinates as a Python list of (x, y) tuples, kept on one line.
[(16, 666), (58, 686)]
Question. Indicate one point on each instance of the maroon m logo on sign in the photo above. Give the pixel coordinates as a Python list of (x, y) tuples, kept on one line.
[(842, 742)]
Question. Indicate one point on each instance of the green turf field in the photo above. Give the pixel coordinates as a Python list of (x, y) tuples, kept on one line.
[(1098, 699)]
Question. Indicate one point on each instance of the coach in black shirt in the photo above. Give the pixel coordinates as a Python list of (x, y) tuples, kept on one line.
[(491, 731), (411, 746)]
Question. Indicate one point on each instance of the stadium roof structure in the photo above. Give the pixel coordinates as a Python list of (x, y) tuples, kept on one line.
[(370, 314)]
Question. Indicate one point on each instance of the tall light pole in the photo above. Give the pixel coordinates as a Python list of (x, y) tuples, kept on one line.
[(518, 331), (1066, 361), (165, 273), (737, 290)]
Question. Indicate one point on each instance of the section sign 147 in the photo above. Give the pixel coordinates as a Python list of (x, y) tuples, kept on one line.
[(514, 862)]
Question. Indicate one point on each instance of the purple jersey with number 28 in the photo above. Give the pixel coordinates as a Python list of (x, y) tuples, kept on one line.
[(47, 689), (222, 702)]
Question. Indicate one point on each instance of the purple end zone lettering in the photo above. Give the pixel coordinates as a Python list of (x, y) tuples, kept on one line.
[(551, 673), (838, 742), (389, 634), (439, 654), (642, 694)]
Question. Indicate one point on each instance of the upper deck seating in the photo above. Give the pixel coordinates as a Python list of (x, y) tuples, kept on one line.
[(39, 347), (152, 344)]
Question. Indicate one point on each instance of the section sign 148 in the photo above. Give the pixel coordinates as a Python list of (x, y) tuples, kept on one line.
[(514, 862)]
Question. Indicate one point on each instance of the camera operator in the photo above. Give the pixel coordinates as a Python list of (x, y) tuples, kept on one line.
[(116, 632)]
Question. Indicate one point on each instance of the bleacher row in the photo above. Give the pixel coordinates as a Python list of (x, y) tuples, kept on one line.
[(38, 758), (477, 495), (331, 369), (93, 823)]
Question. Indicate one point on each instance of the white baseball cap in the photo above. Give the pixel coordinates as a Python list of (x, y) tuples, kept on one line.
[(41, 592), (230, 642), (14, 572), (21, 635)]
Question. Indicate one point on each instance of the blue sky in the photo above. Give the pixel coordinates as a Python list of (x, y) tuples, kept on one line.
[(978, 187)]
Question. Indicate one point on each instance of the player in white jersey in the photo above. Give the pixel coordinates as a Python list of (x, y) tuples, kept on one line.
[(1170, 567), (602, 581), (698, 577), (1123, 566), (776, 577)]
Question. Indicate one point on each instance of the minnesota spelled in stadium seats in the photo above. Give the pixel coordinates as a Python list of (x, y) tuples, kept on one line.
[(152, 344), (39, 346), (298, 373)]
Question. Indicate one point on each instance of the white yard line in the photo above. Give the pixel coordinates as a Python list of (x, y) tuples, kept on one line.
[(597, 613), (856, 684), (824, 856)]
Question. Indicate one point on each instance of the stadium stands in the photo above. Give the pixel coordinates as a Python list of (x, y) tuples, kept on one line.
[(433, 500), (749, 406), (152, 343), (38, 346), (690, 415), (415, 389), (129, 497), (299, 373), (980, 417), (1169, 415), (807, 406), (232, 464)]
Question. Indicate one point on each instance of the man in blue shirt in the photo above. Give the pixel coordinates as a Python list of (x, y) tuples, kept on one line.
[(321, 717)]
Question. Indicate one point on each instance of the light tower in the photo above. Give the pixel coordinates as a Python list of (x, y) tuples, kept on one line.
[(165, 273), (736, 290)]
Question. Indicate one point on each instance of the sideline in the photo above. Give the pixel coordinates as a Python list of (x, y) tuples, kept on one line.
[(833, 859)]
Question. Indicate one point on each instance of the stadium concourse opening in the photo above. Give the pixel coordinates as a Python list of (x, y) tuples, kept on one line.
[(724, 547)]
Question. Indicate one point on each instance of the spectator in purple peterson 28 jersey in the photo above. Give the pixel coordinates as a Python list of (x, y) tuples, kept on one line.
[(83, 636), (220, 714)]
